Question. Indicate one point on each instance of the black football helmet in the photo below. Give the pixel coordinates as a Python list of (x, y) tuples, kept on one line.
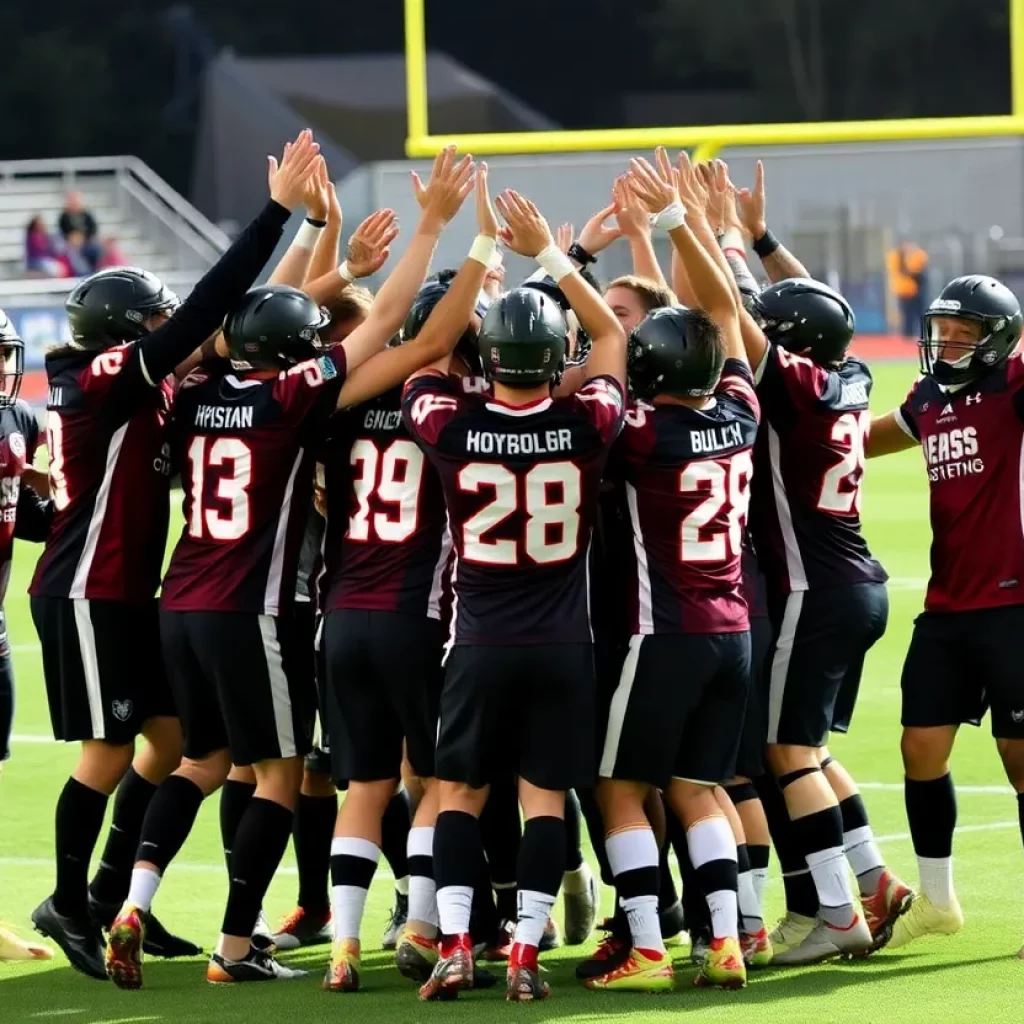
[(523, 338), (109, 307), (13, 367), (544, 282), (981, 300), (675, 351), (274, 326), (429, 295), (805, 316)]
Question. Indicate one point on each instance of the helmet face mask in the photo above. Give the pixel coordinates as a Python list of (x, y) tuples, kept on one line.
[(12, 370)]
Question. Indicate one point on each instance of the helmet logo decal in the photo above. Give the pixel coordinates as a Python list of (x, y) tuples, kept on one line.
[(945, 305)]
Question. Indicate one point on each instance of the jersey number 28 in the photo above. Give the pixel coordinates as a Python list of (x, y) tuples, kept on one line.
[(840, 488), (727, 482)]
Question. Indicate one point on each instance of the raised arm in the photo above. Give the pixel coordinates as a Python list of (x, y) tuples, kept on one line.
[(778, 262), (528, 234), (293, 267), (440, 199), (635, 225), (368, 251), (433, 345), (325, 255)]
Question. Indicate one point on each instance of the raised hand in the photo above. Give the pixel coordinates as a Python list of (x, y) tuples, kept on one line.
[(750, 205), (633, 220), (368, 248), (731, 218), (317, 199), (655, 188), (287, 181), (564, 236), (486, 219), (449, 184), (692, 193), (527, 232), (595, 235), (334, 215)]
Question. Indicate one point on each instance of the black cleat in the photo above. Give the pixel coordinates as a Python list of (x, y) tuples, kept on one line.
[(78, 937), (672, 920), (158, 942), (396, 922)]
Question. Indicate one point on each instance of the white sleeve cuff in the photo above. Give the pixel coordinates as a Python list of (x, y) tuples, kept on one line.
[(903, 425), (763, 365), (145, 371)]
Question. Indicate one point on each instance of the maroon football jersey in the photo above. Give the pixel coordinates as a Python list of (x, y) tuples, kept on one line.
[(19, 436), (809, 463), (109, 481), (521, 485), (246, 451), (388, 546), (973, 443), (687, 478)]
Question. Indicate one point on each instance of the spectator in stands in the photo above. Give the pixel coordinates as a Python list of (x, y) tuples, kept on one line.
[(76, 218), (80, 257), (41, 255), (110, 254), (908, 265)]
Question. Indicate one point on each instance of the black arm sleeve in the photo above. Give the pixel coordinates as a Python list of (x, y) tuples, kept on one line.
[(33, 517), (204, 310)]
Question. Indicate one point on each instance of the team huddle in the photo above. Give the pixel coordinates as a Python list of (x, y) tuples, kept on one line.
[(497, 563)]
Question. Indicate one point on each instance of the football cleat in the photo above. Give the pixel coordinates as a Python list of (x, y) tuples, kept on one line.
[(890, 901), (13, 947), (641, 971), (302, 928), (723, 967), (523, 983), (825, 942), (453, 970), (581, 911), (673, 924), (256, 965), (700, 945), (757, 948), (262, 937), (396, 921), (925, 918), (499, 948), (611, 954), (78, 937), (158, 940), (123, 957), (343, 973), (415, 955), (550, 939), (790, 931)]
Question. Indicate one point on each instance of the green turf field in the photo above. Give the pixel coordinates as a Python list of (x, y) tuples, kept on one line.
[(970, 977)]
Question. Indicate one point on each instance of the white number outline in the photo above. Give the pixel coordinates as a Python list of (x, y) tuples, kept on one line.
[(404, 493), (234, 488), (729, 481), (55, 446), (851, 428)]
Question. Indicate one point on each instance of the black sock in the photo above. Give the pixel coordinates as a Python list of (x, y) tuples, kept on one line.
[(258, 847), (539, 872), (931, 814), (457, 854), (760, 856), (486, 916), (667, 895), (573, 838), (234, 801), (169, 819), (394, 834), (595, 829), (801, 894), (311, 834), (115, 871), (500, 833), (77, 823)]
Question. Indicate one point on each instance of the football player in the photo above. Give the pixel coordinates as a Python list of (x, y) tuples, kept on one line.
[(520, 472), (685, 457), (93, 591), (967, 414), (26, 515), (244, 434), (388, 553)]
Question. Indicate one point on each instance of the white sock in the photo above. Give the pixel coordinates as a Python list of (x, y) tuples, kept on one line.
[(402, 886), (636, 849), (353, 863), (578, 881), (862, 851), (534, 911), (936, 879), (422, 891), (832, 880), (143, 888), (760, 880), (711, 840), (454, 907), (750, 906)]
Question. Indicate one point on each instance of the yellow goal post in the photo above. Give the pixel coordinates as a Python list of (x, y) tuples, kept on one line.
[(706, 140)]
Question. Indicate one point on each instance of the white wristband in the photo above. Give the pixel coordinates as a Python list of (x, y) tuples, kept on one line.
[(672, 217), (732, 238), (345, 274), (555, 262), (307, 236), (483, 249)]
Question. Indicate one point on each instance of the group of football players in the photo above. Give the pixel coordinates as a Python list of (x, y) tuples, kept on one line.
[(496, 544)]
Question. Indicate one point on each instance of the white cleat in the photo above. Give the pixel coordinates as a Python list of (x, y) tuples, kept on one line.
[(925, 918), (790, 931), (581, 909), (826, 942)]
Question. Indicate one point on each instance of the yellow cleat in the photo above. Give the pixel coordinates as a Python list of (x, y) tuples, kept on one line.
[(924, 918), (13, 947), (791, 931), (723, 967), (415, 955), (343, 974), (757, 949), (640, 973), (123, 957)]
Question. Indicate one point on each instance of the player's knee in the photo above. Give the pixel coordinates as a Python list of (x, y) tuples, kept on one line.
[(541, 803), (925, 754), (457, 796), (1012, 754), (279, 779), (621, 802), (101, 765), (208, 773), (785, 758)]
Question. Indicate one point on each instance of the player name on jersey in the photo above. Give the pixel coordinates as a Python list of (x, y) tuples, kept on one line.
[(216, 417), (717, 439), (541, 442)]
